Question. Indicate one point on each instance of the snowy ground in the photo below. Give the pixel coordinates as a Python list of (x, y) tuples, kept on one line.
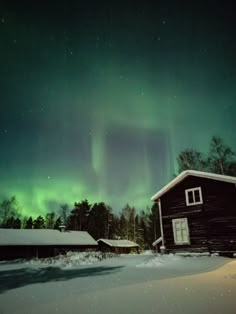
[(126, 284)]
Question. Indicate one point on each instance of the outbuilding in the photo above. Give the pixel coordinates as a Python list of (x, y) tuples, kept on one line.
[(118, 246), (198, 213), (27, 243)]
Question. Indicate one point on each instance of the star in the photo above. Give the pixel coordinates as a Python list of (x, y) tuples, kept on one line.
[(3, 20)]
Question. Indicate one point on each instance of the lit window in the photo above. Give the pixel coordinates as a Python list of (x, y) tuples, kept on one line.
[(180, 231), (193, 196)]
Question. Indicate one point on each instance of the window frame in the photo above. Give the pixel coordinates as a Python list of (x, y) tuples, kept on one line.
[(193, 191), (187, 230)]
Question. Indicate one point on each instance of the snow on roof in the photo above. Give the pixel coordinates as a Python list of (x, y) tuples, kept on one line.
[(119, 243), (195, 173), (44, 237)]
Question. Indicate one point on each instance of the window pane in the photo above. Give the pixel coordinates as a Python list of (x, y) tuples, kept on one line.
[(190, 197), (197, 196), (185, 239), (177, 225), (178, 236)]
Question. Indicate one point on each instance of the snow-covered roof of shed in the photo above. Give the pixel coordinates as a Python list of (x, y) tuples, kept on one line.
[(44, 237), (119, 243), (195, 173)]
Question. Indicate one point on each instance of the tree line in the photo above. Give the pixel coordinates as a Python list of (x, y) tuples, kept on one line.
[(220, 159), (98, 219)]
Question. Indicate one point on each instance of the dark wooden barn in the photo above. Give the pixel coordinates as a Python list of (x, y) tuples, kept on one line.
[(118, 246), (198, 213), (27, 243)]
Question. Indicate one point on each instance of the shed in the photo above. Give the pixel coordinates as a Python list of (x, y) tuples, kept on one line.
[(198, 213), (118, 246), (26, 243)]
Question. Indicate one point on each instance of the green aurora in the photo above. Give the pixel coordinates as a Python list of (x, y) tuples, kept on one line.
[(97, 101)]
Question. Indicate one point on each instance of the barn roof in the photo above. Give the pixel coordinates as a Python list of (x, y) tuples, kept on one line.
[(194, 173), (44, 237), (119, 243)]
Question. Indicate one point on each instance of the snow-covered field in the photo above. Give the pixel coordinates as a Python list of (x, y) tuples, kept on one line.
[(125, 284)]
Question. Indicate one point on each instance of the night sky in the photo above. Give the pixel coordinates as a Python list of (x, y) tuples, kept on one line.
[(98, 98)]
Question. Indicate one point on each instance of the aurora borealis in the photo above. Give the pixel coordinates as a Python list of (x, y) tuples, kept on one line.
[(98, 98)]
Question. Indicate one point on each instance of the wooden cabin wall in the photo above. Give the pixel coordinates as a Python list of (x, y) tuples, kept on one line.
[(24, 251), (197, 233), (103, 247), (220, 213), (12, 252), (211, 224), (118, 250)]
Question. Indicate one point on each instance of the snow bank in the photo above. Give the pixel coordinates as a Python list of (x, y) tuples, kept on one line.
[(160, 260), (147, 252), (71, 259), (173, 259)]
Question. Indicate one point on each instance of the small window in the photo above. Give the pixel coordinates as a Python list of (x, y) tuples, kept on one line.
[(180, 231), (193, 196)]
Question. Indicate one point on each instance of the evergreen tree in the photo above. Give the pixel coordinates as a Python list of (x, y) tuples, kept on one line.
[(13, 223), (99, 222), (123, 227), (58, 223), (78, 219), (139, 237), (29, 223), (132, 224), (109, 217), (39, 223), (114, 227), (17, 223)]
